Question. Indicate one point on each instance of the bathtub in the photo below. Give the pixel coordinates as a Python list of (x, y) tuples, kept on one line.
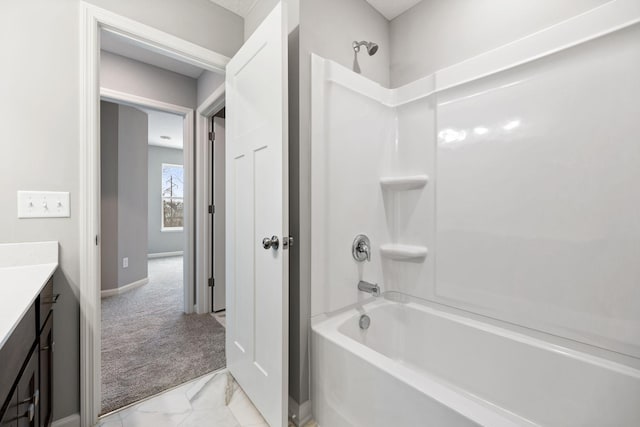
[(421, 364)]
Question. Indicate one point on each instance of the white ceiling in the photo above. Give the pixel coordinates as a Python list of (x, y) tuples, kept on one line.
[(164, 124), (132, 49), (388, 8), (239, 7)]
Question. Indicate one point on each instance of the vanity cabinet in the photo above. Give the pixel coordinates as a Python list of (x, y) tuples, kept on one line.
[(26, 360)]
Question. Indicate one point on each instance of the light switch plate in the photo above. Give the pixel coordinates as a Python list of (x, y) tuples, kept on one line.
[(43, 204)]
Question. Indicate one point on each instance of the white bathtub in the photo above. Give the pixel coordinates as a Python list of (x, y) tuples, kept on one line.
[(421, 364)]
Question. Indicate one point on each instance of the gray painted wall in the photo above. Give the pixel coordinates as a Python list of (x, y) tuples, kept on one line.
[(134, 77), (133, 137), (42, 143), (207, 83), (435, 34), (123, 149), (158, 241), (108, 195)]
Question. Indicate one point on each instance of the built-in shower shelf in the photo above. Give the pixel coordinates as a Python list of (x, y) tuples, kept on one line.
[(400, 183), (403, 252)]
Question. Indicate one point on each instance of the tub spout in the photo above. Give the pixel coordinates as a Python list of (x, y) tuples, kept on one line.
[(370, 288)]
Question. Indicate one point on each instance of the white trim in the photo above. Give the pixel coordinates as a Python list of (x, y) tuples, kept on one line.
[(165, 254), (72, 420), (125, 288), (164, 229), (208, 108), (92, 19), (137, 101)]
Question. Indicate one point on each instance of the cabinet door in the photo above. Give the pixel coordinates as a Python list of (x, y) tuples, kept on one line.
[(10, 416), (46, 369), (29, 393)]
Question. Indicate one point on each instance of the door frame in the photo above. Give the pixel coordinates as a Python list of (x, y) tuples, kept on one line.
[(188, 165), (210, 106), (92, 19)]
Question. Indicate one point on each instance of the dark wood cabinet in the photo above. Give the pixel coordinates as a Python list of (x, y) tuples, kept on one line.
[(29, 393), (26, 361), (46, 372), (10, 417)]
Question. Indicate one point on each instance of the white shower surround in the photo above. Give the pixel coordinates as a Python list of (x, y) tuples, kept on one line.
[(363, 133)]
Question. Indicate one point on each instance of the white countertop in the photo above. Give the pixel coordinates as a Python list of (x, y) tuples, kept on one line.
[(24, 270)]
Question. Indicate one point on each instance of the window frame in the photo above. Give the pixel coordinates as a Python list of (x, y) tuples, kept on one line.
[(164, 229)]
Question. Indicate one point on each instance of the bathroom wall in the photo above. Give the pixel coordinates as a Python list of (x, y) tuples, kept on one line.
[(161, 241), (123, 149), (39, 82), (436, 34)]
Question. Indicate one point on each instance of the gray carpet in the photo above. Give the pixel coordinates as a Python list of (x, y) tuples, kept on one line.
[(149, 344)]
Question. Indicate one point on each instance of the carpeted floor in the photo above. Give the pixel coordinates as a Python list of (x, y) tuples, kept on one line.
[(149, 344)]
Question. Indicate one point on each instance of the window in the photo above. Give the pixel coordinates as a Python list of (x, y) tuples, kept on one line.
[(172, 197)]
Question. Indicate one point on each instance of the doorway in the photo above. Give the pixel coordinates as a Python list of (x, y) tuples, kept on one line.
[(148, 343)]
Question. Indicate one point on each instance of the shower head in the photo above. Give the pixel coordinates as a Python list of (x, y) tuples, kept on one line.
[(372, 47)]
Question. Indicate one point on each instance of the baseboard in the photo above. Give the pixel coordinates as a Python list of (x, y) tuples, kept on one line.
[(299, 414), (165, 254), (122, 289), (72, 420)]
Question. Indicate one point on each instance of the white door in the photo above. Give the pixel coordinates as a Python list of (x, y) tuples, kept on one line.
[(257, 208)]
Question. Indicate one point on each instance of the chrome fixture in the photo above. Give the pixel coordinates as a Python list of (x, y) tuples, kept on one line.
[(370, 288), (364, 322), (361, 248), (272, 242), (371, 47)]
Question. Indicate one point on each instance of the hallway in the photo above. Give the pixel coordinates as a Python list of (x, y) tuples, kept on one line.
[(149, 344)]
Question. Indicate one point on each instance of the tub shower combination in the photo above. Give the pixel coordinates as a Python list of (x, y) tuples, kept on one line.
[(486, 272)]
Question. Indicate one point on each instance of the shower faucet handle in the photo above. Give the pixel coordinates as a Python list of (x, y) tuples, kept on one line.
[(361, 248)]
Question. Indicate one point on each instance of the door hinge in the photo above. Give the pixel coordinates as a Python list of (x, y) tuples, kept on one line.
[(212, 282), (96, 240), (212, 209), (212, 136)]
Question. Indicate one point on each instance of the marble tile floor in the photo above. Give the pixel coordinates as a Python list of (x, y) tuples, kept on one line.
[(200, 403)]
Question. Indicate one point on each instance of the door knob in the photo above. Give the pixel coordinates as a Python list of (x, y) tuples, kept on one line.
[(272, 242)]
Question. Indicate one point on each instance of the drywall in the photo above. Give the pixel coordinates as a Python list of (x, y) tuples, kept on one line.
[(133, 131), (41, 145), (435, 34), (40, 148), (199, 21), (137, 78), (159, 241), (328, 27), (109, 195), (262, 8), (207, 83), (123, 150)]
